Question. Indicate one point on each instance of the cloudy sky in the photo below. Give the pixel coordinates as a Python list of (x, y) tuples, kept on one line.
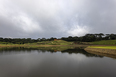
[(56, 18)]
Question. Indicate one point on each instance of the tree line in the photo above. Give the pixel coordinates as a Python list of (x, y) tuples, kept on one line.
[(85, 38), (23, 40), (91, 37)]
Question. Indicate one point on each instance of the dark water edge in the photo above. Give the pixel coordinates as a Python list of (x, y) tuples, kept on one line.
[(103, 52), (43, 49), (47, 62)]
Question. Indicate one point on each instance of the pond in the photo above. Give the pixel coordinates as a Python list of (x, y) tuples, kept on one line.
[(21, 62)]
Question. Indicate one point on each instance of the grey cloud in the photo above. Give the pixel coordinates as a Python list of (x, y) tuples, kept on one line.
[(56, 18), (101, 16)]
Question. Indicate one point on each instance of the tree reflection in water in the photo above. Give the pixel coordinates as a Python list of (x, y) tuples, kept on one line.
[(50, 49)]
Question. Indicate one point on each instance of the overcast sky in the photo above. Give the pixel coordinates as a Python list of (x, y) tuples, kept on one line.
[(56, 18)]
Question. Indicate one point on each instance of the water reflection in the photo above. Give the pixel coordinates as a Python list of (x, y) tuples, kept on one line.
[(49, 63), (103, 54), (69, 51)]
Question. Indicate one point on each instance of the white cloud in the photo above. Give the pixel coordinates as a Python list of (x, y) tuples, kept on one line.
[(78, 30), (20, 19), (26, 23)]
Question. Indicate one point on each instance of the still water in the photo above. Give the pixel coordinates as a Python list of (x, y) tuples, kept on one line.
[(50, 63)]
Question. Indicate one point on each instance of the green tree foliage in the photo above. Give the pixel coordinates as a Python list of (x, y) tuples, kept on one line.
[(91, 37), (86, 38)]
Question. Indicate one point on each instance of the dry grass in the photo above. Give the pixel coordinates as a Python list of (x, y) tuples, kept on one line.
[(36, 45), (101, 51), (103, 54)]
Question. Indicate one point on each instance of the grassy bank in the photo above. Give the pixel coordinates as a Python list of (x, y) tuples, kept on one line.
[(35, 45), (103, 47), (104, 42), (57, 42), (101, 50), (109, 51), (45, 47), (113, 55), (55, 45)]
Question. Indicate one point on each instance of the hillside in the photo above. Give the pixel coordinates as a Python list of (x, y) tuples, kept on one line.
[(105, 42), (56, 42)]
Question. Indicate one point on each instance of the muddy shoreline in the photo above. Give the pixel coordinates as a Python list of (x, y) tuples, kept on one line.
[(102, 52)]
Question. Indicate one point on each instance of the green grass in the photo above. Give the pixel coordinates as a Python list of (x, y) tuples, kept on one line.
[(38, 44), (58, 42), (103, 47), (57, 48), (5, 43), (105, 42)]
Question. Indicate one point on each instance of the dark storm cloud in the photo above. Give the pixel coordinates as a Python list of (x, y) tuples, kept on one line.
[(56, 18)]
